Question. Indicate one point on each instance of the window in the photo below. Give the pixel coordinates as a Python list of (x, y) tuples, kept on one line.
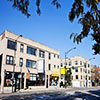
[(9, 60), (58, 66), (32, 77), (70, 63), (31, 50), (21, 62), (85, 65), (54, 55), (41, 54), (80, 69), (76, 76), (76, 62), (21, 47), (88, 71), (49, 56), (61, 65), (89, 78), (88, 65), (30, 63), (54, 66), (58, 56), (80, 62), (49, 67), (76, 69), (81, 77), (11, 45)]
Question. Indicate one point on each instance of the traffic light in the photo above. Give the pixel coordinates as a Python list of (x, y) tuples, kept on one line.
[(73, 67)]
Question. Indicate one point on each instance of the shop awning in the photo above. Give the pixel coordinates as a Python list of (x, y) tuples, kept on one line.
[(55, 75)]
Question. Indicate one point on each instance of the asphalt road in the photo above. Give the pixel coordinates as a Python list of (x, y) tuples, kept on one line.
[(71, 94)]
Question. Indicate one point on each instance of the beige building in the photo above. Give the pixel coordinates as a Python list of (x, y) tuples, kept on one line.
[(24, 62), (81, 71)]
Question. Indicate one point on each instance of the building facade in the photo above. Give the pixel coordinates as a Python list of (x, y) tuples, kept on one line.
[(95, 75), (24, 63), (80, 71)]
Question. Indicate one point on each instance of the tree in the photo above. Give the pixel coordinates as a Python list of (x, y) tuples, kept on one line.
[(88, 18), (23, 5)]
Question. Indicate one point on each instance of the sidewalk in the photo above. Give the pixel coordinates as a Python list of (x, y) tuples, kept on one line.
[(39, 90)]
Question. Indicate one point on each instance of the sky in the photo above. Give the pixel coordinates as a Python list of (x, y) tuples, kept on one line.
[(51, 28)]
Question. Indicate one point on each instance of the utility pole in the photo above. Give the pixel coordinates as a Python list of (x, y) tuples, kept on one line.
[(14, 64), (66, 53)]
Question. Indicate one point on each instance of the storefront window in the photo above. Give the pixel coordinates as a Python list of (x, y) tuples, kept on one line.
[(53, 80), (36, 80)]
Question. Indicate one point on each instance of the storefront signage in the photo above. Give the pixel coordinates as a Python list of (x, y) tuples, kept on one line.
[(54, 71), (54, 75), (27, 75), (62, 71), (41, 66)]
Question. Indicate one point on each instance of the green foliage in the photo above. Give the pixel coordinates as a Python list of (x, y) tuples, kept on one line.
[(23, 5), (90, 21)]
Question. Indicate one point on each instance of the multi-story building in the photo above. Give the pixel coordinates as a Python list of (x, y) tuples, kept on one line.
[(80, 71), (24, 62)]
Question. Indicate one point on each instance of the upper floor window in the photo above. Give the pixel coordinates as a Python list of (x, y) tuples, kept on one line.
[(76, 76), (11, 45), (49, 56), (58, 66), (88, 65), (76, 69), (31, 50), (21, 47), (54, 66), (30, 63), (80, 62), (41, 53), (9, 60), (70, 63), (61, 65), (85, 65), (76, 62), (21, 62), (58, 56), (80, 69), (54, 55), (49, 67)]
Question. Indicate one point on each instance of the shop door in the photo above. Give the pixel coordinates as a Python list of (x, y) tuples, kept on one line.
[(47, 82)]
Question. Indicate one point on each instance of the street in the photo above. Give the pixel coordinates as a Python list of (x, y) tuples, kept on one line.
[(57, 94)]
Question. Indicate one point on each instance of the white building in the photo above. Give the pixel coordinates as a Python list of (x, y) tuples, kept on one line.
[(81, 71), (33, 64)]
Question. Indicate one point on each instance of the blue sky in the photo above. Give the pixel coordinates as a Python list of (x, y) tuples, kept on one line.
[(51, 28)]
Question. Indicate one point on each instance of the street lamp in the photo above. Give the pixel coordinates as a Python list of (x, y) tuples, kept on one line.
[(66, 53), (13, 78)]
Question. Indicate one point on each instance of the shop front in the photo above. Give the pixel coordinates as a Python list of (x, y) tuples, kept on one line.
[(54, 78), (35, 80), (17, 82)]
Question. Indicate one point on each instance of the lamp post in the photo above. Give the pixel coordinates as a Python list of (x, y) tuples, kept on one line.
[(13, 74), (66, 53)]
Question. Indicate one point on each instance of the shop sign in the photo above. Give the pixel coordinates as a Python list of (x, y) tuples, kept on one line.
[(27, 75), (62, 71), (55, 75), (54, 71), (41, 66), (3, 35)]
